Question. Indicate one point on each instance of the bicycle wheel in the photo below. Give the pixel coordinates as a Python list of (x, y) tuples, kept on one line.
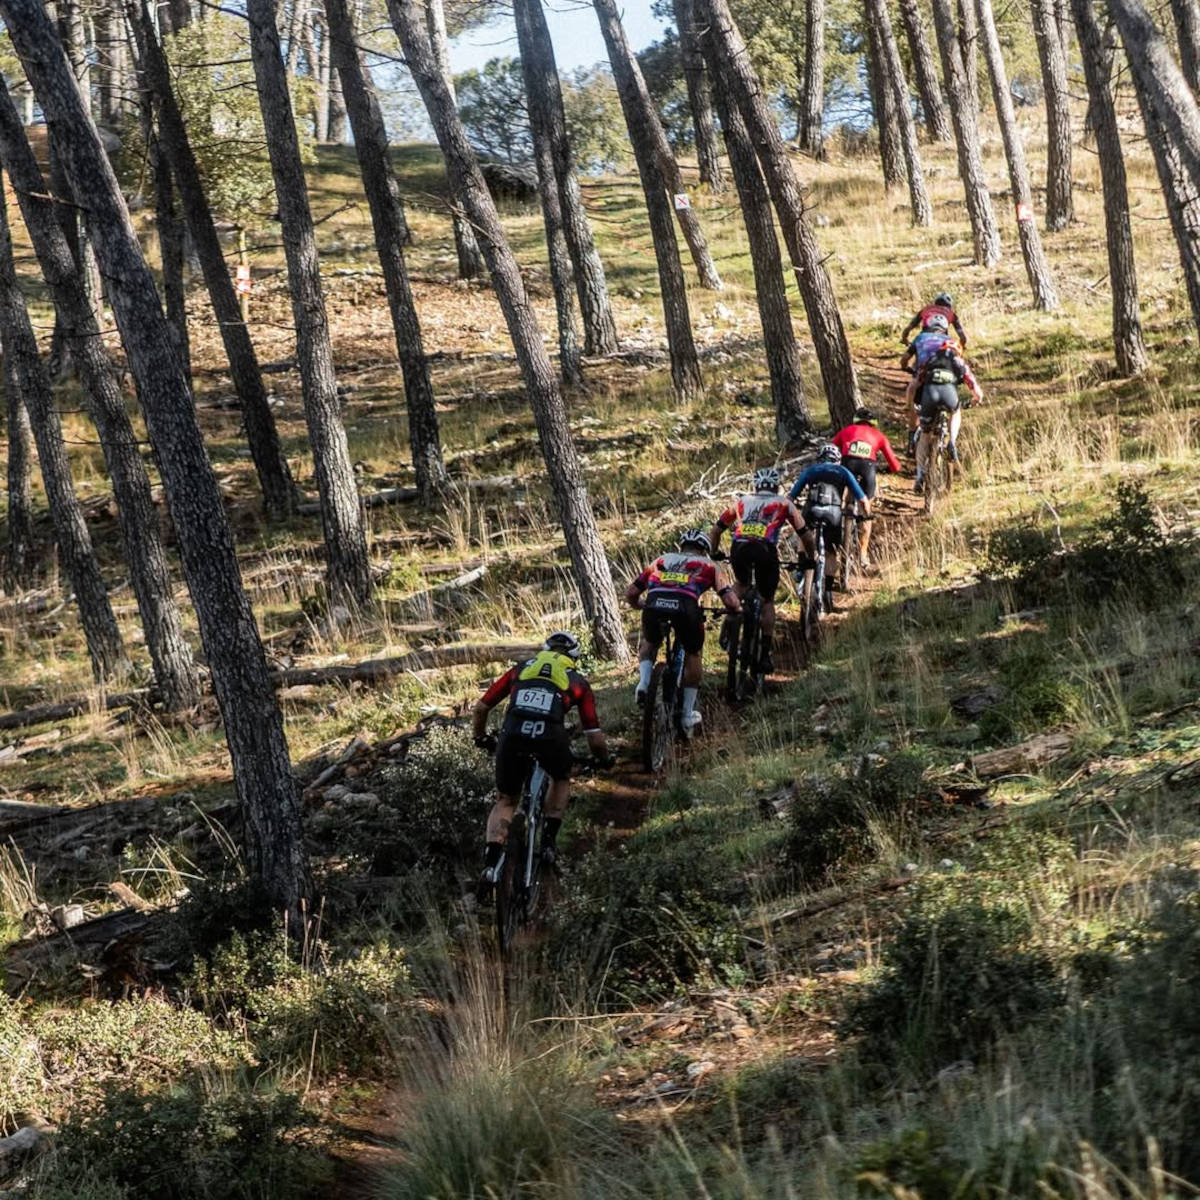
[(510, 892), (733, 629), (657, 718), (933, 478), (751, 650), (849, 552)]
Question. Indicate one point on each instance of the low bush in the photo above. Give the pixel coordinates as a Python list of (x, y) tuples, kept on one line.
[(1036, 695)]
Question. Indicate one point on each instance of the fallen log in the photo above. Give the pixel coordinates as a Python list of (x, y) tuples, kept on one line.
[(1029, 755), (20, 1145), (97, 932), (812, 910), (41, 713), (406, 495), (375, 669)]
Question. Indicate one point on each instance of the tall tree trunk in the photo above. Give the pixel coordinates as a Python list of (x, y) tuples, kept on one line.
[(816, 289), (71, 535), (550, 415), (470, 261), (793, 424), (893, 71), (337, 104), (561, 273), (546, 109), (699, 97), (274, 476), (966, 138), (1187, 28), (391, 233), (933, 109), (174, 668), (1129, 346), (170, 245), (1108, 42), (1059, 203), (348, 566), (274, 846), (645, 129), (321, 99), (110, 29), (295, 37), (968, 47), (18, 561), (685, 364), (883, 103), (1036, 267), (810, 128)]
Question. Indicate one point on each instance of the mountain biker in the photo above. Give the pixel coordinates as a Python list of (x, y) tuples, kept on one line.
[(943, 305), (827, 481), (932, 342), (540, 691), (668, 592), (938, 380), (861, 443), (757, 519)]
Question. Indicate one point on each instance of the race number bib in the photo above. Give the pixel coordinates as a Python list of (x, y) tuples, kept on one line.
[(859, 449), (534, 699), (675, 577), (941, 375), (754, 529)]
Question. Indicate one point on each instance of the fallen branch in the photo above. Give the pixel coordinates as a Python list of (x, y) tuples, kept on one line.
[(406, 495), (40, 713), (812, 910), (1028, 755), (376, 669)]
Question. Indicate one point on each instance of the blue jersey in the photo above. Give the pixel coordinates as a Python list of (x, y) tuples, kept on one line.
[(826, 472)]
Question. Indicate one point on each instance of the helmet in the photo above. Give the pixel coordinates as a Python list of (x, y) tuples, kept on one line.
[(944, 299), (697, 538), (936, 323), (767, 479), (563, 643), (829, 453), (865, 415)]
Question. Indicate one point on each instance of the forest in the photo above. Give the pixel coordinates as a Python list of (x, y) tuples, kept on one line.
[(778, 430)]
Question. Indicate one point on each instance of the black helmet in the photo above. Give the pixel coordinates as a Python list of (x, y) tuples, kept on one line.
[(865, 415), (563, 642), (944, 299)]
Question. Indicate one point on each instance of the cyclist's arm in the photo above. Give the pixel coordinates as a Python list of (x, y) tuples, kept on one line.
[(800, 484), (971, 383), (723, 585), (586, 699), (885, 448), (962, 337), (633, 593), (910, 327), (795, 519), (484, 705), (725, 521), (907, 356)]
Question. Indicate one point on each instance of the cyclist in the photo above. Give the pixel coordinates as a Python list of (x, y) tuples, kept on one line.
[(938, 381), (757, 519), (540, 691), (861, 443), (668, 592), (943, 305), (827, 481)]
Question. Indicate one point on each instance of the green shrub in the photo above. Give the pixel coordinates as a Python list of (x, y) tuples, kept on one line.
[(1036, 694), (186, 1143), (836, 818)]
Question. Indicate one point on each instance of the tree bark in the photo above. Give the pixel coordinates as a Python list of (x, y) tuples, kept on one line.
[(793, 424), (391, 233), (966, 139), (274, 476), (811, 125), (470, 261), (646, 131), (1036, 267), (1129, 346), (933, 109), (546, 108), (76, 555), (467, 185), (883, 103), (174, 668), (561, 273), (18, 552), (338, 114), (274, 846), (699, 97), (1187, 28), (816, 289), (893, 70), (685, 364), (170, 245), (1059, 203), (968, 46), (341, 516)]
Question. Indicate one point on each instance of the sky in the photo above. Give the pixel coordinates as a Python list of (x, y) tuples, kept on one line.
[(574, 28)]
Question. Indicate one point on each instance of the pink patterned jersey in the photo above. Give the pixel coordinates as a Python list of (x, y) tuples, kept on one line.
[(758, 516), (692, 574)]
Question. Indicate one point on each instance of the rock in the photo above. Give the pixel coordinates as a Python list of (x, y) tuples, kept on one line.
[(67, 916), (697, 1070), (971, 705), (334, 794)]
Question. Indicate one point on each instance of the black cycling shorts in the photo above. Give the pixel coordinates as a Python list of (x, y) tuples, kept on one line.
[(516, 755), (830, 520), (679, 610), (756, 561), (935, 396), (863, 469)]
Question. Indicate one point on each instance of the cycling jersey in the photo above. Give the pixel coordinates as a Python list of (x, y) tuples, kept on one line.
[(831, 473), (757, 515), (927, 345), (918, 322), (679, 572), (865, 441), (540, 692)]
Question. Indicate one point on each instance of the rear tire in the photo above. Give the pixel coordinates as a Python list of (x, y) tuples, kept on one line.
[(734, 628), (509, 900), (751, 647), (657, 730)]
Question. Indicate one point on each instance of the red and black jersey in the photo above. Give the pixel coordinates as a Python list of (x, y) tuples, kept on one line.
[(865, 441), (952, 321), (691, 574), (540, 692), (758, 516)]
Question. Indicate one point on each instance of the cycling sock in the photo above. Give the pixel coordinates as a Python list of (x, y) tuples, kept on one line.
[(689, 700), (550, 831), (491, 854), (645, 670)]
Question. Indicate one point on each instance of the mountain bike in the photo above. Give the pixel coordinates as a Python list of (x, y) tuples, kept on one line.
[(849, 563), (814, 586), (519, 882), (933, 447), (744, 641), (662, 717)]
